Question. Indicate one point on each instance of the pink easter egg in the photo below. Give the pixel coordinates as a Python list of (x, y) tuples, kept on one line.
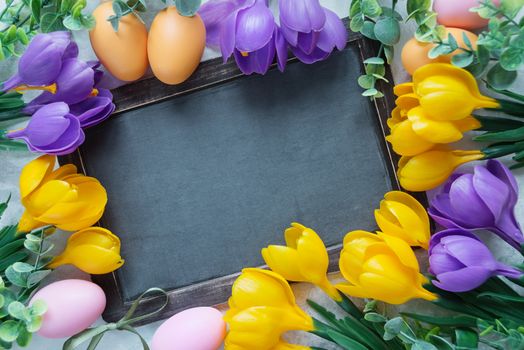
[(455, 13), (72, 306), (200, 328)]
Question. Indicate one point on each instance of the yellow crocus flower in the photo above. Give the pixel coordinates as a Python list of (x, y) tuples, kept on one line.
[(402, 216), (430, 169), (304, 259), (449, 93), (381, 267), (60, 197), (262, 308), (405, 141), (94, 250)]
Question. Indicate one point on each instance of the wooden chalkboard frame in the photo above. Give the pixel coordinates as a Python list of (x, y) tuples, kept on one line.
[(209, 73)]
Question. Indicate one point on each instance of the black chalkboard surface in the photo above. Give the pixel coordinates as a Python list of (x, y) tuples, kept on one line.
[(198, 183)]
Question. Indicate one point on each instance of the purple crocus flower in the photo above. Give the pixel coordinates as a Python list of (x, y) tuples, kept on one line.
[(301, 22), (43, 59), (51, 130), (213, 14), (251, 34), (485, 199), (95, 109), (74, 83), (334, 34), (461, 262)]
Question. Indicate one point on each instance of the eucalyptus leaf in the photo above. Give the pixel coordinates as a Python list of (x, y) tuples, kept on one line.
[(414, 5), (500, 78), (22, 267), (374, 60), (51, 22), (24, 337), (389, 52), (368, 30), (187, 8), (38, 308), (34, 324), (355, 8), (371, 8), (440, 50), (366, 81), (463, 59), (512, 58), (36, 6), (375, 317), (423, 345), (356, 23), (370, 92), (9, 330), (36, 277), (387, 31)]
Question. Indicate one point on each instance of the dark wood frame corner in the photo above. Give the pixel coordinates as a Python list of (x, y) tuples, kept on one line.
[(209, 73)]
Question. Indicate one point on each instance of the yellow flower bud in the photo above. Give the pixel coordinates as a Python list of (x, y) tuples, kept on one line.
[(62, 198), (304, 259), (448, 93), (262, 308), (381, 267), (430, 169), (405, 141), (402, 216), (94, 250)]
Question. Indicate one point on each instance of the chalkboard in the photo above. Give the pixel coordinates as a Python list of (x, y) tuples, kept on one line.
[(201, 176)]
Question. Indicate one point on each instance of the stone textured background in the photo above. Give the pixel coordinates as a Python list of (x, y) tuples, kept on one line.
[(12, 162)]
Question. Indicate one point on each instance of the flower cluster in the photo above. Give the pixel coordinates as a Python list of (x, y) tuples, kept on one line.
[(247, 30), (72, 98), (434, 110)]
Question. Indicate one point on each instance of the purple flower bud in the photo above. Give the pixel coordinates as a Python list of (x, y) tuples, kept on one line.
[(51, 130), (74, 84), (461, 262), (213, 14), (94, 110), (334, 34), (485, 199), (252, 36), (43, 59), (301, 21)]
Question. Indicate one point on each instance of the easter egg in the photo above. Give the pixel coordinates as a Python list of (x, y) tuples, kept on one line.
[(175, 45), (72, 306), (453, 13), (415, 54), (200, 328), (124, 52)]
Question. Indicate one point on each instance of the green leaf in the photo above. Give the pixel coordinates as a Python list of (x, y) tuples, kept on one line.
[(452, 42), (22, 267), (51, 22), (17, 310), (344, 341), (9, 330), (36, 277), (24, 337), (77, 339), (10, 248), (370, 306), (512, 58), (463, 59), (187, 8), (72, 23), (466, 41), (38, 308), (35, 324), (387, 31), (512, 135), (502, 297), (418, 5), (375, 317), (440, 343), (371, 8), (368, 30), (452, 321), (466, 339), (16, 278), (22, 36), (366, 81), (374, 60), (389, 52), (423, 345), (370, 92), (356, 24), (355, 8), (500, 78), (511, 7), (36, 6), (119, 7), (440, 50)]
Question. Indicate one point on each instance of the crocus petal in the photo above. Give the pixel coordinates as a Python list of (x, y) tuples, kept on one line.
[(281, 49), (302, 15), (466, 203), (462, 280), (258, 61), (94, 109), (214, 12), (334, 33), (470, 252), (254, 28), (290, 35), (504, 174), (493, 192), (441, 263), (307, 42), (315, 56), (227, 36)]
